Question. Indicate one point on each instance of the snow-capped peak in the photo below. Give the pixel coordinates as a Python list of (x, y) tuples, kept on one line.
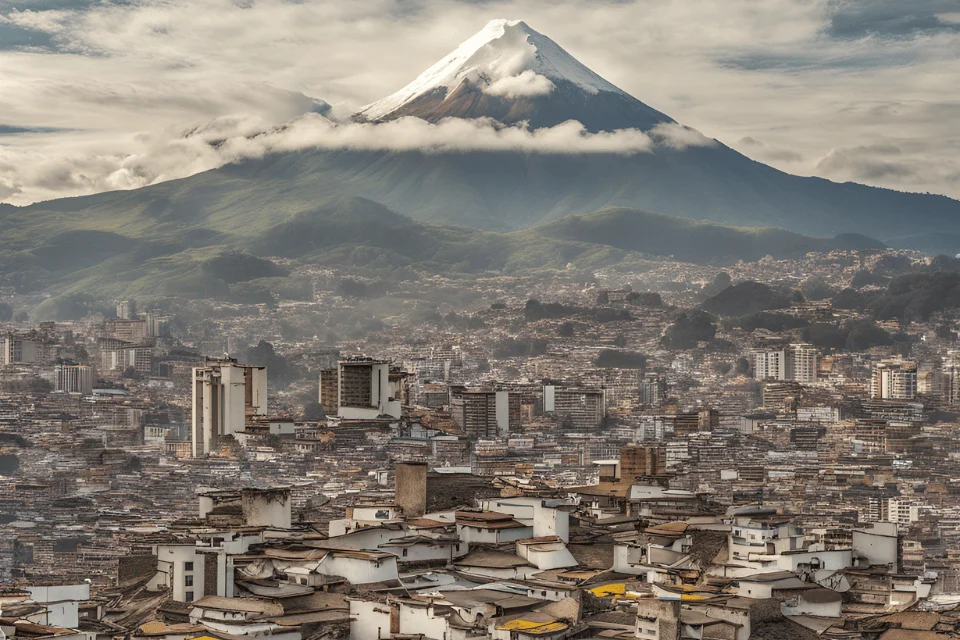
[(505, 58)]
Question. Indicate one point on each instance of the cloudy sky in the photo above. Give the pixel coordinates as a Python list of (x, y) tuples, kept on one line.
[(104, 94)]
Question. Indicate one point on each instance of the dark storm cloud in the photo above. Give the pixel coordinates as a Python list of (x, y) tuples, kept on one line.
[(890, 18)]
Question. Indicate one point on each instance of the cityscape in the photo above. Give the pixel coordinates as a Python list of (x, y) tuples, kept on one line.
[(505, 354)]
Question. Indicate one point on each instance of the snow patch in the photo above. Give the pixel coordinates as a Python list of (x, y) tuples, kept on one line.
[(505, 53), (527, 84)]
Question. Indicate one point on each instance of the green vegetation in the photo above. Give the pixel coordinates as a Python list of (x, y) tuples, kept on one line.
[(746, 298), (690, 329), (615, 359), (520, 347), (852, 336), (152, 244), (769, 320)]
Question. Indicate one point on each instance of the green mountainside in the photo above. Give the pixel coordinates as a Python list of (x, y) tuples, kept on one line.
[(128, 249)]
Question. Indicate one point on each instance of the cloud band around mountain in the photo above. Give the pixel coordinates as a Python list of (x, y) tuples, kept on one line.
[(178, 154)]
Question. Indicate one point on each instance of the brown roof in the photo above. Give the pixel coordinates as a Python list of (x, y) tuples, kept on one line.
[(491, 560), (911, 634), (264, 608), (541, 540)]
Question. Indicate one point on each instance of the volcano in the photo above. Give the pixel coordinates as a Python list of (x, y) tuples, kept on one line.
[(513, 74), (510, 76)]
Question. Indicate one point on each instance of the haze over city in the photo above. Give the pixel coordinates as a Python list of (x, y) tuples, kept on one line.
[(421, 320)]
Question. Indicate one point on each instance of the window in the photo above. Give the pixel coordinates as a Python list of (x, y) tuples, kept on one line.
[(188, 581), (404, 553), (188, 596), (188, 566)]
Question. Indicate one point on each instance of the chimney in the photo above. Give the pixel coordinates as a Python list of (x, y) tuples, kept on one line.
[(410, 488)]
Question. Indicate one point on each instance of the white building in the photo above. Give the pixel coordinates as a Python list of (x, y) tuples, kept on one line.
[(770, 365), (894, 380), (365, 390), (224, 392), (798, 363), (18, 348), (75, 378)]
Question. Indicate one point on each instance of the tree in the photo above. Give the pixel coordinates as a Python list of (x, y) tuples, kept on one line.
[(566, 330), (688, 330)]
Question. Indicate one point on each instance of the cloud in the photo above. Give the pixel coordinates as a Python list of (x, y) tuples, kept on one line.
[(526, 84), (873, 162), (679, 137), (177, 154), (806, 78), (755, 148)]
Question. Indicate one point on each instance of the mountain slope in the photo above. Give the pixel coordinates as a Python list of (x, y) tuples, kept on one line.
[(146, 255), (511, 73)]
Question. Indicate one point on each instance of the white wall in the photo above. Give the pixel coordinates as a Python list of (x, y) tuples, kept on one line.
[(369, 620), (359, 571)]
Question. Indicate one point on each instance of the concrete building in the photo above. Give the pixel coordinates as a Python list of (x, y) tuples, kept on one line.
[(329, 397), (639, 461), (797, 363), (224, 394), (584, 409), (127, 309), (19, 348), (75, 378), (894, 380), (365, 390), (770, 365), (410, 491), (485, 413), (802, 363), (653, 390)]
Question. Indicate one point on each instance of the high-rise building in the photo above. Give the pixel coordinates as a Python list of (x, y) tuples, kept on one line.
[(951, 379), (894, 380), (366, 390), (802, 363), (329, 391), (126, 309), (485, 413), (26, 348), (224, 394), (770, 365), (75, 378), (583, 409), (797, 363), (653, 390), (639, 461)]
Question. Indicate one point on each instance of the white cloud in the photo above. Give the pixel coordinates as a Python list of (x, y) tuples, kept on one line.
[(680, 137), (176, 154), (526, 84), (767, 70)]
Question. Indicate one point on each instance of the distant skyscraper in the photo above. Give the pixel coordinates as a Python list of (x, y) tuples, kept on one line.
[(653, 390), (224, 393), (126, 309), (75, 378), (894, 380), (796, 363)]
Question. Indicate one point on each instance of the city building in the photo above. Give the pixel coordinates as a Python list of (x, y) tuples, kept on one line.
[(796, 363), (224, 394), (894, 380), (365, 390), (582, 409), (485, 413), (75, 378)]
